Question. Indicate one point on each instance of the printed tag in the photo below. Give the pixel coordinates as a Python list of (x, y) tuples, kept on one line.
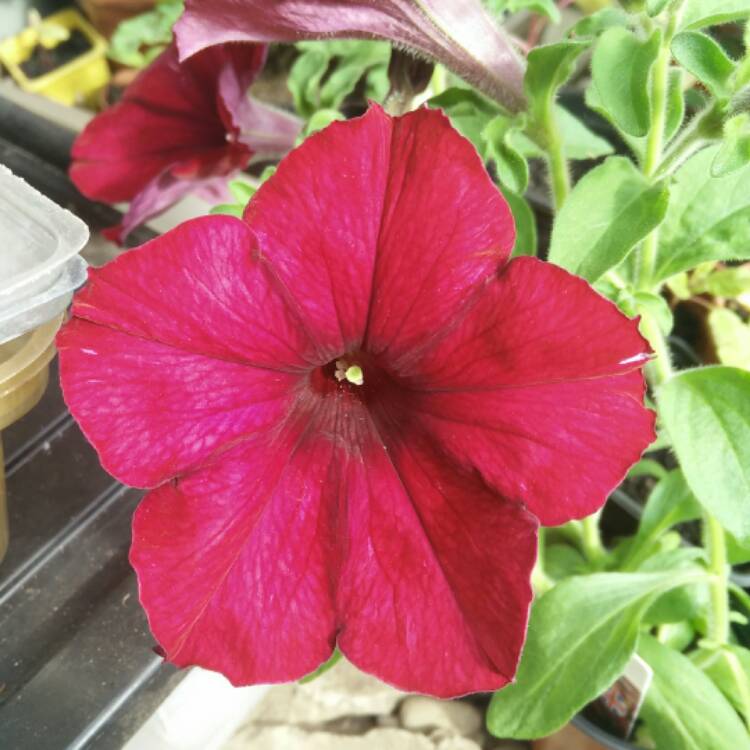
[(617, 709)]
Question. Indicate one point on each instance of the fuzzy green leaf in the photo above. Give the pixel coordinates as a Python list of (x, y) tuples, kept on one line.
[(579, 142), (701, 56), (526, 235), (610, 210), (548, 68), (581, 635), (729, 669), (707, 414), (620, 68), (731, 336), (708, 217), (698, 14), (469, 112), (734, 152), (683, 709)]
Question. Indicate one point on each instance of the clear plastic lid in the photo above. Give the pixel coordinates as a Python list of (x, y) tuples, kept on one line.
[(37, 239), (21, 315)]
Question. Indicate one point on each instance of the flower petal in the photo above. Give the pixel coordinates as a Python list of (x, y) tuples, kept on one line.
[(232, 561), (265, 129), (157, 195), (540, 388), (177, 348), (459, 33), (171, 114), (435, 593), (361, 225), (253, 564)]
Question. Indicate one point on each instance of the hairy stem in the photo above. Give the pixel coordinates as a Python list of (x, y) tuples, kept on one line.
[(704, 128), (558, 164), (715, 543), (660, 368), (655, 144)]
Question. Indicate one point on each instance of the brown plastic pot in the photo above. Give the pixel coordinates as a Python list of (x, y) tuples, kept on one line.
[(24, 374), (105, 15)]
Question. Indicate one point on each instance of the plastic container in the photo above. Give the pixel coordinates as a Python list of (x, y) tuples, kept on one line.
[(39, 263), (79, 80), (24, 374)]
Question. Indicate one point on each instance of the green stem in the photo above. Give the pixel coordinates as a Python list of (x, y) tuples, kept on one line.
[(592, 540), (660, 83), (558, 164), (540, 581), (660, 368), (715, 543), (439, 80), (615, 279), (702, 129), (655, 144)]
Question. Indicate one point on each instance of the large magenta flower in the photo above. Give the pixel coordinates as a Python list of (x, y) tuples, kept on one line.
[(458, 33), (179, 128), (353, 412)]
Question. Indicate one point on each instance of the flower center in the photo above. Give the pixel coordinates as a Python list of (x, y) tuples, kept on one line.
[(349, 372)]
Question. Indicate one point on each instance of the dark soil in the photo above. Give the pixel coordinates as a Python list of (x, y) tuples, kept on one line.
[(43, 61)]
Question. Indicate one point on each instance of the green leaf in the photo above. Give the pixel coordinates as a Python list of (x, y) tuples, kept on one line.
[(677, 636), (646, 303), (610, 210), (140, 39), (707, 413), (683, 604), (701, 56), (592, 26), (734, 152), (670, 502), (321, 119), (737, 554), (579, 141), (729, 669), (549, 66), (526, 236), (647, 467), (544, 7), (512, 169), (563, 561), (699, 14), (620, 68), (581, 635), (469, 112), (708, 217), (654, 7), (228, 209), (304, 79), (242, 191), (323, 668), (327, 72), (683, 709), (731, 337), (724, 281)]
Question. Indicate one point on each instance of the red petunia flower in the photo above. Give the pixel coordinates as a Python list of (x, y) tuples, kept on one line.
[(353, 412), (179, 128), (461, 34)]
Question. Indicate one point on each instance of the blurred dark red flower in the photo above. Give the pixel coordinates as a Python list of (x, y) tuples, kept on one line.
[(179, 128), (353, 412), (458, 33)]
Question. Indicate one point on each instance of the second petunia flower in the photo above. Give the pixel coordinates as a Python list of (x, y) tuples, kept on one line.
[(179, 128), (352, 412)]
